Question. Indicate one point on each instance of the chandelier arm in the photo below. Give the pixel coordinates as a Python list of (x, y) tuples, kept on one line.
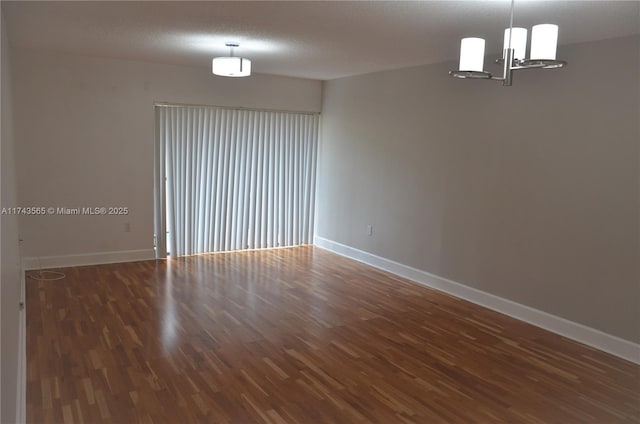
[(540, 64)]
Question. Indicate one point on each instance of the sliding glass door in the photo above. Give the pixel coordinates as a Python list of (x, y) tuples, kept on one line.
[(229, 179)]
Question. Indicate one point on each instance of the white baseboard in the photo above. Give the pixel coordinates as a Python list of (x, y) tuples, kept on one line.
[(572, 330), (97, 258)]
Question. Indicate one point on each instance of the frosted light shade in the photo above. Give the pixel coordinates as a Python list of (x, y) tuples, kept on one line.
[(544, 41), (231, 66), (518, 42), (472, 54)]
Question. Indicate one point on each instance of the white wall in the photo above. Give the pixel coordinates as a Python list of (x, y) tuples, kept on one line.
[(9, 257), (84, 130), (529, 192)]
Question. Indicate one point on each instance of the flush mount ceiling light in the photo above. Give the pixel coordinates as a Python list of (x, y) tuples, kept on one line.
[(544, 41), (231, 66)]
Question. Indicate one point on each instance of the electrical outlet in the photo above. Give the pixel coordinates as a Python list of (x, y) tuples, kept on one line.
[(127, 227), (369, 230)]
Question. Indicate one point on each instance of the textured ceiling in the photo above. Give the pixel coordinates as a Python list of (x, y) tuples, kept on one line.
[(320, 40)]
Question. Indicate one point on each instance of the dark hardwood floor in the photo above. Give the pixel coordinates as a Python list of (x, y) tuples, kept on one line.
[(298, 335)]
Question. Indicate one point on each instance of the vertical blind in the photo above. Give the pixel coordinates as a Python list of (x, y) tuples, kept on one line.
[(231, 179)]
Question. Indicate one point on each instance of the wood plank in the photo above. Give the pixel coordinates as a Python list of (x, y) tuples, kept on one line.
[(298, 335)]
